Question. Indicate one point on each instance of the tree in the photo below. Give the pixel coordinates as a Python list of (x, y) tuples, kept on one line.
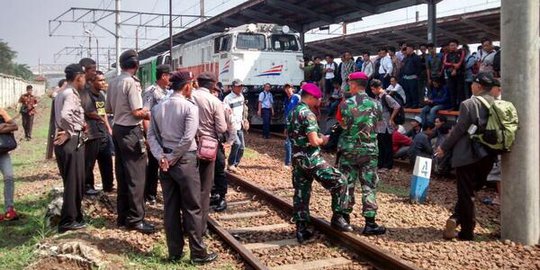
[(7, 66)]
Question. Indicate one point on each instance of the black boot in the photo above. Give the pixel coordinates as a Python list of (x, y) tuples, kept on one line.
[(339, 223), (302, 233), (372, 228), (221, 204), (347, 218), (214, 200)]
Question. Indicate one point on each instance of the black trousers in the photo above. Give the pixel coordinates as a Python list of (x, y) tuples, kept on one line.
[(220, 179), (470, 179), (130, 164), (27, 123), (386, 157), (70, 162), (206, 173), (456, 88), (182, 203), (99, 150), (150, 189)]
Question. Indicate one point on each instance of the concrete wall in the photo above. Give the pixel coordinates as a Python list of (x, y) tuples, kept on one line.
[(11, 88)]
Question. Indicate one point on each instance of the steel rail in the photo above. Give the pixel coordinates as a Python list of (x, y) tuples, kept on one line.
[(380, 258)]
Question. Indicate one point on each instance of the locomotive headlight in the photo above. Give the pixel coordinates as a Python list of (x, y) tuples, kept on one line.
[(252, 27), (285, 29)]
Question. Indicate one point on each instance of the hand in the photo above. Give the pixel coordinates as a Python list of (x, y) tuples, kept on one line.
[(325, 139), (259, 113), (164, 164), (454, 72), (226, 145), (439, 152), (272, 111), (109, 130), (245, 124), (61, 138)]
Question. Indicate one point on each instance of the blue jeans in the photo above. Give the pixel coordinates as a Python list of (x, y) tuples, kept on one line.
[(237, 149), (288, 151), (429, 113), (9, 184), (266, 114)]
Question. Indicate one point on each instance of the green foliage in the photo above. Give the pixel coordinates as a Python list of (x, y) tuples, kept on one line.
[(9, 67)]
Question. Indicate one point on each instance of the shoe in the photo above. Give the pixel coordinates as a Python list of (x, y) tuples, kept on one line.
[(91, 192), (372, 228), (339, 223), (175, 258), (450, 229), (206, 259), (73, 226), (302, 233), (221, 205), (143, 227), (214, 200), (150, 200), (10, 214), (232, 168), (347, 218)]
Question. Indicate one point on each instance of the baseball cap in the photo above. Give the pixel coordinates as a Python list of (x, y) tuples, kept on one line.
[(486, 79), (417, 119), (312, 89)]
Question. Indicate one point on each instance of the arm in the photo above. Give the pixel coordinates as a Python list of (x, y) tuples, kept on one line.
[(458, 64), (395, 106), (315, 140), (153, 143), (108, 104), (459, 130), (445, 63), (66, 115), (428, 70), (8, 127), (191, 124), (388, 66), (135, 101), (219, 118), (259, 106)]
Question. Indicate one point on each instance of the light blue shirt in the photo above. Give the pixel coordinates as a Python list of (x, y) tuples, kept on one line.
[(266, 100)]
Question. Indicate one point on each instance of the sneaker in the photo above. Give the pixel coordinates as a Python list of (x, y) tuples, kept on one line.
[(232, 168), (11, 214), (450, 229)]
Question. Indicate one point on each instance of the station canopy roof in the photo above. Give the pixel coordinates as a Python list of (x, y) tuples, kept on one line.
[(467, 28), (300, 15)]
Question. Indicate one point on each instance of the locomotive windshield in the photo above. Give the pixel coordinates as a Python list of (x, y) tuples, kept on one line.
[(250, 41), (284, 43)]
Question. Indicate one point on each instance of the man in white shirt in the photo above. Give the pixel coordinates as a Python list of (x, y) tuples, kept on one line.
[(367, 67), (487, 56), (235, 100), (329, 68), (383, 67), (396, 87)]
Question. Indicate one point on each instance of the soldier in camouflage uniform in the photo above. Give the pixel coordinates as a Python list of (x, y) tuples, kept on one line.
[(358, 149), (308, 164)]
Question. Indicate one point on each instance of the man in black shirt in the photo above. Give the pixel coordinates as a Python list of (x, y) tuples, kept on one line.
[(98, 144), (410, 73)]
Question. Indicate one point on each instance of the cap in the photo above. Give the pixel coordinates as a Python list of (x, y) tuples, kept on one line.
[(73, 70), (207, 76), (417, 119), (402, 129), (128, 56), (496, 82), (312, 89), (485, 79), (181, 77), (237, 82), (358, 76)]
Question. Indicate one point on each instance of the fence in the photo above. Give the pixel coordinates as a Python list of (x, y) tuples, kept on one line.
[(11, 88)]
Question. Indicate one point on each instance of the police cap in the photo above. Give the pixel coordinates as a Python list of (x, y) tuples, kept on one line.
[(129, 59), (207, 76)]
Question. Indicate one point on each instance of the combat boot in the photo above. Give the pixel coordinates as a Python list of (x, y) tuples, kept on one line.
[(221, 204), (339, 223), (302, 232), (372, 228), (347, 218), (214, 200)]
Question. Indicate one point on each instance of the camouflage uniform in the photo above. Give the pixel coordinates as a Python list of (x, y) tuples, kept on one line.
[(358, 149), (308, 164)]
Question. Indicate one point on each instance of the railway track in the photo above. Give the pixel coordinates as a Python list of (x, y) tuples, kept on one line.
[(258, 226)]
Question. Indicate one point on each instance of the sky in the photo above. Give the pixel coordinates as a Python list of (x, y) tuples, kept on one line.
[(26, 29)]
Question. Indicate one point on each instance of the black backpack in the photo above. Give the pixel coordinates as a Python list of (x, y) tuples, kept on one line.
[(400, 117)]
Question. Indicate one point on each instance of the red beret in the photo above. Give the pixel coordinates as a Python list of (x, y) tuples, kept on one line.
[(358, 76), (312, 89)]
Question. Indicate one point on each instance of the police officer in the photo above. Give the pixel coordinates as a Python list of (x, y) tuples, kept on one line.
[(358, 149), (124, 100), (171, 137), (152, 96), (308, 164), (69, 148)]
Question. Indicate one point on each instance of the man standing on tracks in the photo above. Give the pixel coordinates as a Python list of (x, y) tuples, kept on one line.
[(171, 137), (28, 110), (211, 123), (235, 100), (266, 109), (358, 149), (152, 96), (124, 100), (69, 148), (308, 164)]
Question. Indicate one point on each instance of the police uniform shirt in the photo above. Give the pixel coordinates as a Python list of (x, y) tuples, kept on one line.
[(211, 113), (177, 120), (94, 103), (154, 95), (123, 97), (266, 99), (69, 113), (236, 103)]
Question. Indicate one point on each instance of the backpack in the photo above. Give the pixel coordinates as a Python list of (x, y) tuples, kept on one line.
[(502, 124), (400, 117), (476, 66)]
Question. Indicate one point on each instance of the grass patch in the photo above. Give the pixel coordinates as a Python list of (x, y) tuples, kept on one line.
[(156, 259), (398, 191), (250, 153)]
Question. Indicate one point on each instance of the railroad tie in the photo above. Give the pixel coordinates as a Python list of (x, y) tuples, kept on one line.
[(238, 203), (242, 215), (272, 244), (318, 264), (262, 228)]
